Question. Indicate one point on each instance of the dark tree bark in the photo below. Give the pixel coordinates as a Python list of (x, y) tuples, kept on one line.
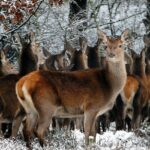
[(146, 21), (78, 12)]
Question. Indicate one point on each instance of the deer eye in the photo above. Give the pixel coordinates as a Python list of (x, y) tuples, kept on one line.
[(120, 46)]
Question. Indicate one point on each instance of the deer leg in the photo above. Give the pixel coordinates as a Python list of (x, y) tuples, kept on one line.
[(15, 126), (79, 124), (93, 129), (98, 129), (29, 126), (53, 124), (120, 109), (17, 122), (25, 134), (136, 117), (42, 127), (59, 123), (82, 124), (66, 123), (108, 120), (124, 117), (72, 124), (6, 129), (89, 119), (3, 128), (128, 122), (103, 122)]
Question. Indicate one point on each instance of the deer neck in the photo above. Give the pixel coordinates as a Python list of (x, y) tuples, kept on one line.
[(116, 74), (1, 69), (147, 67)]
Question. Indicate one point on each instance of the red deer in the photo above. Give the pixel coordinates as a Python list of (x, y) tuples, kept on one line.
[(6, 67), (139, 69), (120, 106), (123, 112), (78, 61), (8, 102), (119, 113), (129, 63), (96, 60), (92, 92), (37, 51), (55, 62), (94, 57), (147, 70), (128, 103), (125, 102), (59, 61), (130, 95)]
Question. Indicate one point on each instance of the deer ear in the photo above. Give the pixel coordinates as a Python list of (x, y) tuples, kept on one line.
[(83, 44), (32, 36), (128, 58), (19, 40), (3, 57), (102, 36), (125, 35), (146, 40)]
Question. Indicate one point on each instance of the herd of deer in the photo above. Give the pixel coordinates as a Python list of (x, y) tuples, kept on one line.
[(77, 87)]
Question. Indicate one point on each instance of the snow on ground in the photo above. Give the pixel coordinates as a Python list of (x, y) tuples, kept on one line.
[(74, 140)]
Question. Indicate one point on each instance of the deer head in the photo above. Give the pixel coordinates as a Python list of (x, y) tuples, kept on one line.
[(112, 46), (7, 66)]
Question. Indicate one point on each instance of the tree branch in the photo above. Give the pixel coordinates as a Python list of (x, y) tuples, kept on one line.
[(119, 19), (17, 28), (124, 18)]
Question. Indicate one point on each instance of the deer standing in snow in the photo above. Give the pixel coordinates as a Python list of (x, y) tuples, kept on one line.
[(91, 92)]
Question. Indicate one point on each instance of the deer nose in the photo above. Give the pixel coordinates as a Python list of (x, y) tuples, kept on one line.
[(111, 55)]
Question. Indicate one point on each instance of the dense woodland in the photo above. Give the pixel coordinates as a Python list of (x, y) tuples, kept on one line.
[(70, 39), (57, 23)]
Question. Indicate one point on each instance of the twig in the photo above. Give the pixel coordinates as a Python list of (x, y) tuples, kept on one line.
[(110, 7), (57, 19), (124, 18), (119, 19), (13, 30), (95, 12)]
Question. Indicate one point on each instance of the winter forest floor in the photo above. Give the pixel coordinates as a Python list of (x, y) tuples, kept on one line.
[(74, 140)]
